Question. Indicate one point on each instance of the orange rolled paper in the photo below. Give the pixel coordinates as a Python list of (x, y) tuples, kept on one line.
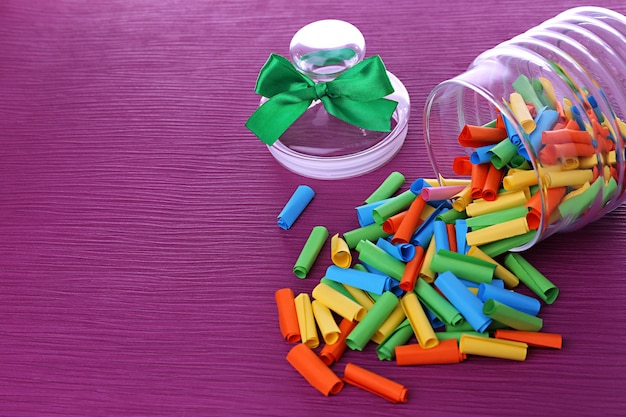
[(391, 224), (376, 384), (535, 339), (451, 237), (410, 222), (492, 183), (412, 269), (331, 353), (287, 316), (477, 136), (413, 354), (565, 136), (533, 218), (316, 372), (479, 176), (554, 151), (461, 165)]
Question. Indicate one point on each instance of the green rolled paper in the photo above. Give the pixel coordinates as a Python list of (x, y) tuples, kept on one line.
[(447, 335), (503, 153), (437, 303), (531, 277), (451, 216), (370, 232), (380, 260), (513, 318), (363, 332), (609, 190), (393, 206), (463, 266), (525, 89), (337, 286), (310, 251), (499, 247), (496, 217), (574, 207), (389, 186), (372, 295), (400, 336)]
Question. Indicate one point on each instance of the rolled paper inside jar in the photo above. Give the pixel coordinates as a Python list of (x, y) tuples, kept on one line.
[(502, 153), (477, 136), (521, 112), (372, 321), (314, 370), (447, 352), (502, 202), (514, 227), (495, 348), (338, 302), (496, 217), (422, 328), (287, 315), (375, 383), (310, 251), (301, 198), (387, 188), (441, 193), (306, 320)]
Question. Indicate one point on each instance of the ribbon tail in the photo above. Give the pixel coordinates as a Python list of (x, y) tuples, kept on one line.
[(371, 115), (275, 116)]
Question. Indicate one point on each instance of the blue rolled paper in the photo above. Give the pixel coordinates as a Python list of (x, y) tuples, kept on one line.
[(295, 206), (417, 186), (424, 232), (470, 306), (545, 120), (518, 301), (364, 212), (510, 131), (403, 251), (460, 227), (441, 235), (481, 155), (367, 281)]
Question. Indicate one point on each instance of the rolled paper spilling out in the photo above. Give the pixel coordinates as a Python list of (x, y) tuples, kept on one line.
[(340, 252), (306, 320), (422, 328), (440, 232), (456, 334), (510, 280), (377, 258), (441, 193), (393, 206), (511, 317), (463, 300), (516, 300), (463, 266), (495, 348), (534, 339), (331, 353), (411, 270), (301, 198), (360, 296), (410, 222), (371, 233), (375, 383), (531, 277), (436, 303), (387, 188), (338, 302), (386, 350), (287, 315), (316, 372), (364, 212), (326, 322), (401, 251), (390, 324), (498, 232), (366, 281), (447, 352), (372, 321), (310, 251)]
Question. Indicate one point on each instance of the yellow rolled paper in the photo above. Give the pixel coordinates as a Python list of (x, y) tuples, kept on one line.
[(426, 273), (462, 199), (420, 324), (498, 231), (567, 178), (360, 296), (340, 252), (306, 320), (326, 322), (338, 302), (453, 181), (548, 89), (521, 112), (578, 191), (510, 279), (494, 348), (394, 319), (519, 179), (503, 201)]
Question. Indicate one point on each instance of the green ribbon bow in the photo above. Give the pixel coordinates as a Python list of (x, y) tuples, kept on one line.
[(356, 97)]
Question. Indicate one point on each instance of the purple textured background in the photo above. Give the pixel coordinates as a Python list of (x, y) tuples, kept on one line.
[(139, 251)]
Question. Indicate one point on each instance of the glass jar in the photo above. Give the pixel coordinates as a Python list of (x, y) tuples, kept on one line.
[(574, 66)]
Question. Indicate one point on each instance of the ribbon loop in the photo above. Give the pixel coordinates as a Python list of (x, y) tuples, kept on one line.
[(357, 96)]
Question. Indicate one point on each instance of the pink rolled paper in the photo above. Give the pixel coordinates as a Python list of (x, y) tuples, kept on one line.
[(441, 193)]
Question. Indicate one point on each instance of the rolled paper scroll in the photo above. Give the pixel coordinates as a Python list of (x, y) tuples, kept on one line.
[(447, 352), (295, 206), (387, 188), (287, 315), (372, 321), (463, 300), (422, 328), (511, 317), (495, 348), (375, 383), (331, 353), (314, 370), (306, 320), (310, 251)]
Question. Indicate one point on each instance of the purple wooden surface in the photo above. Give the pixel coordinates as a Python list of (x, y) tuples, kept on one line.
[(138, 246)]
